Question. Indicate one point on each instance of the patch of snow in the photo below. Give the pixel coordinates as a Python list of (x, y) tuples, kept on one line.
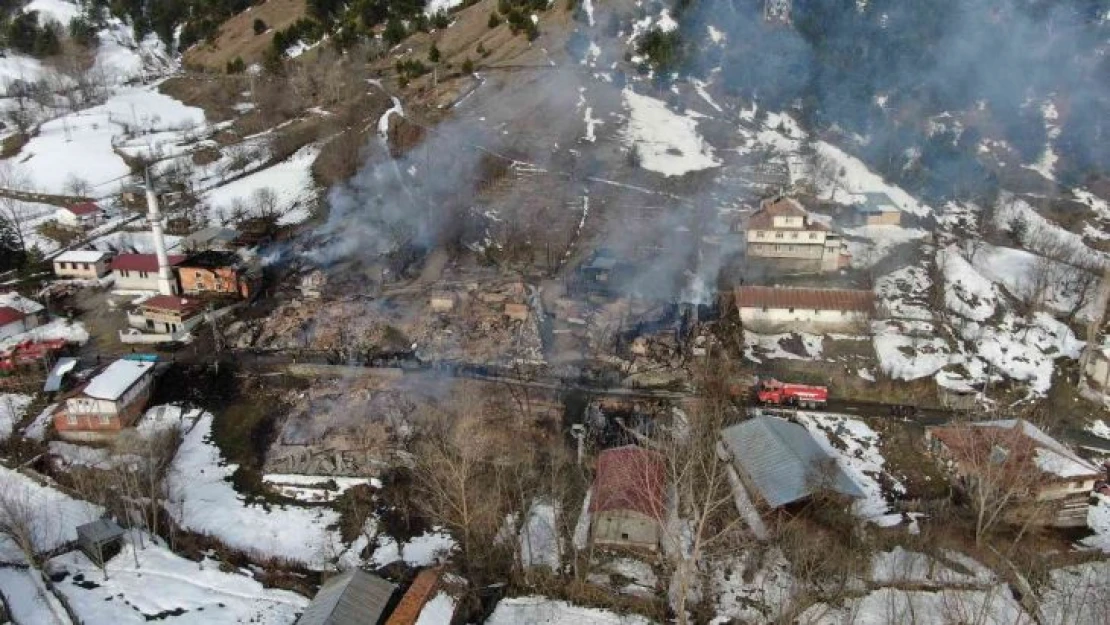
[(993, 606), (36, 431), (699, 87), (51, 515), (859, 454), (588, 7), (169, 588), (899, 566), (715, 35), (758, 347), (435, 6), (754, 587), (1016, 270), (13, 407), (290, 180), (202, 499), (1098, 519), (877, 242), (866, 374), (28, 599), (537, 610), (71, 331), (438, 611), (56, 10), (539, 538), (1076, 595), (1099, 428), (966, 292), (666, 142), (313, 488), (423, 550), (582, 527)]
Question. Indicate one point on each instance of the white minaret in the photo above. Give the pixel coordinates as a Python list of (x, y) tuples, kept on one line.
[(166, 284)]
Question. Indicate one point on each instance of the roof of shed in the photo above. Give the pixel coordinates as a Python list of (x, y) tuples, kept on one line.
[(783, 461), (352, 598), (629, 478)]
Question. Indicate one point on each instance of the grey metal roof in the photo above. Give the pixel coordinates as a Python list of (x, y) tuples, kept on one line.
[(352, 598), (783, 461), (99, 531)]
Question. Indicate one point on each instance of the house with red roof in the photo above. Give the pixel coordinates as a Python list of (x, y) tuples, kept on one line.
[(627, 500), (80, 216), (139, 272), (789, 309), (168, 314), (19, 314)]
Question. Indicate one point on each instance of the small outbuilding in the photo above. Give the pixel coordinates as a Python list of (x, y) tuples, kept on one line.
[(627, 503), (100, 540), (82, 264), (212, 238), (352, 598), (80, 216), (19, 314), (877, 209)]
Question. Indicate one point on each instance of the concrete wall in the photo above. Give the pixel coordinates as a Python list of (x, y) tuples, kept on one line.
[(136, 280), (625, 528), (773, 320)]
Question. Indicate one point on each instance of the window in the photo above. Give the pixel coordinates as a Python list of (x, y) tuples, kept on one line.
[(124, 273), (624, 536), (71, 418), (790, 310), (812, 236), (85, 266), (793, 235), (105, 419), (778, 235)]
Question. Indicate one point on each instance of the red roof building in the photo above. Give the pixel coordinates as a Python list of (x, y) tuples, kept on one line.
[(142, 262), (84, 208), (10, 315), (627, 500), (764, 297)]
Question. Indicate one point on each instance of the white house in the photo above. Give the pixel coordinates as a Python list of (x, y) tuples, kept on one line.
[(80, 216), (774, 309), (782, 231), (110, 401), (82, 264), (139, 272), (19, 314)]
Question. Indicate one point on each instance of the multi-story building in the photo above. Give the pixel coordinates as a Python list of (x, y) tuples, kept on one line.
[(783, 232), (110, 401)]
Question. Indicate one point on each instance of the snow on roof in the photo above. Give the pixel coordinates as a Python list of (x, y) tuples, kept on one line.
[(117, 378), (80, 256), (1052, 456), (20, 303), (353, 598)]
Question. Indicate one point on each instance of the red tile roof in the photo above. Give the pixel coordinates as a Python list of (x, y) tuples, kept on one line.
[(9, 315), (142, 262), (84, 208), (422, 589), (816, 299), (175, 303), (629, 478)]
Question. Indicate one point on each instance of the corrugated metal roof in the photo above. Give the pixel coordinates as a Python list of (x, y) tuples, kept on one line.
[(353, 598), (783, 462), (99, 531)]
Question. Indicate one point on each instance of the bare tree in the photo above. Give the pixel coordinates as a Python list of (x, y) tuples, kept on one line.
[(17, 213), (264, 203)]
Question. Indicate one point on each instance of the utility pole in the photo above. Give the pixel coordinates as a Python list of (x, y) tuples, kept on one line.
[(578, 431)]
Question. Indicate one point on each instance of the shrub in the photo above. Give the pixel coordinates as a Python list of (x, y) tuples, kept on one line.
[(494, 20), (467, 66), (259, 26), (236, 66), (433, 54)]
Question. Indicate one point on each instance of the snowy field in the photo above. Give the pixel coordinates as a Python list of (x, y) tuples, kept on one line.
[(202, 499), (138, 242), (78, 146), (51, 515), (544, 611), (291, 181), (667, 143), (28, 599), (167, 588), (760, 347)]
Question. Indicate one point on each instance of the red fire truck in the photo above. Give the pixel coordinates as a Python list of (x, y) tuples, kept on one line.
[(774, 393)]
